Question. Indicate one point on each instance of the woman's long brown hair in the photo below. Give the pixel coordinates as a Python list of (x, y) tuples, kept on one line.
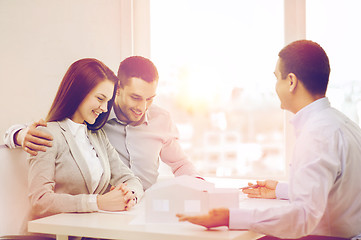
[(81, 77)]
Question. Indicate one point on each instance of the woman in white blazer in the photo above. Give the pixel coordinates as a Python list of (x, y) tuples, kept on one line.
[(81, 172)]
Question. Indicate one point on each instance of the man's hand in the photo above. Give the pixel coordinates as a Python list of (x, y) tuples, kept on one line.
[(263, 189), (215, 218), (33, 140)]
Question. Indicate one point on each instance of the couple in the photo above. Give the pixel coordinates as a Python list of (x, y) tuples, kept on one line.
[(73, 163)]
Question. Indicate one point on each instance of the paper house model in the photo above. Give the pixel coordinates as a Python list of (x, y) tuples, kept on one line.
[(186, 194)]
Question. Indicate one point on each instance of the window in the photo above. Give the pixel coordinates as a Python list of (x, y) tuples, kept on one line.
[(334, 25), (216, 61)]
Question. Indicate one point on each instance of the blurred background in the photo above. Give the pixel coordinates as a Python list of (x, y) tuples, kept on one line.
[(215, 58)]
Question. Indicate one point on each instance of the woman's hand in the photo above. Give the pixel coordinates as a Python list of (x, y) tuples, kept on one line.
[(119, 198)]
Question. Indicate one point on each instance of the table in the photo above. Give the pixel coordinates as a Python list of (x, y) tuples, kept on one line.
[(130, 226)]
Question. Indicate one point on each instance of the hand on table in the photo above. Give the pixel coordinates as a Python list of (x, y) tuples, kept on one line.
[(215, 218), (263, 189), (119, 198)]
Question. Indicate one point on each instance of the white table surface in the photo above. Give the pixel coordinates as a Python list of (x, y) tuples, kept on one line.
[(130, 225)]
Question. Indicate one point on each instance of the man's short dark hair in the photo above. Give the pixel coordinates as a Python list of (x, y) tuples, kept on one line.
[(309, 62), (138, 67)]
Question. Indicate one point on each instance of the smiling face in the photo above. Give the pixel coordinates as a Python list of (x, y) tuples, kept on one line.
[(95, 103), (134, 99)]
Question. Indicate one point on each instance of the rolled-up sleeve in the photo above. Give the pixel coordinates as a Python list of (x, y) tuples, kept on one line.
[(173, 155), (9, 135)]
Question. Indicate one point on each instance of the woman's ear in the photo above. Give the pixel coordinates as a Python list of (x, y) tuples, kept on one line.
[(293, 81)]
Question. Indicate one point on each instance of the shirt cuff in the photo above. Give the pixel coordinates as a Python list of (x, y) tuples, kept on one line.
[(9, 135), (282, 190), (240, 218), (92, 203)]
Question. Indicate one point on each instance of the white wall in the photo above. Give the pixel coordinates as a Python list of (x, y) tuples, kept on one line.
[(39, 39)]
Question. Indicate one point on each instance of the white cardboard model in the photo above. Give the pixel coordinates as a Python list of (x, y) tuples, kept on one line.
[(185, 194)]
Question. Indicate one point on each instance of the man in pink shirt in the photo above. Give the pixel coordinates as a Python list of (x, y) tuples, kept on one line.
[(141, 132)]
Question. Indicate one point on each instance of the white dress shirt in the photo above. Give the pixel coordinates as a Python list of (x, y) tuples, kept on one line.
[(324, 186), (79, 132)]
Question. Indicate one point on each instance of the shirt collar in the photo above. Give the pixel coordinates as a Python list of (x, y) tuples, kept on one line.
[(75, 127), (112, 116), (304, 114)]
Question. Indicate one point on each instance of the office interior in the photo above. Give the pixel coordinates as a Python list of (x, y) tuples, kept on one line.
[(215, 60)]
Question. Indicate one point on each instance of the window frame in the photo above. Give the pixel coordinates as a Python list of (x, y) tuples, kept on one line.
[(136, 32)]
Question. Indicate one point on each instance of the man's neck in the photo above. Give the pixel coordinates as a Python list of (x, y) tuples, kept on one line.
[(307, 101), (119, 114)]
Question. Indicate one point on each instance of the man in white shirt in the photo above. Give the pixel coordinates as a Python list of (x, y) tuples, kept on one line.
[(140, 131), (324, 188)]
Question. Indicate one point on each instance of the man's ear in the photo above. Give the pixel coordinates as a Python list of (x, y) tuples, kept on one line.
[(293, 81), (117, 93)]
